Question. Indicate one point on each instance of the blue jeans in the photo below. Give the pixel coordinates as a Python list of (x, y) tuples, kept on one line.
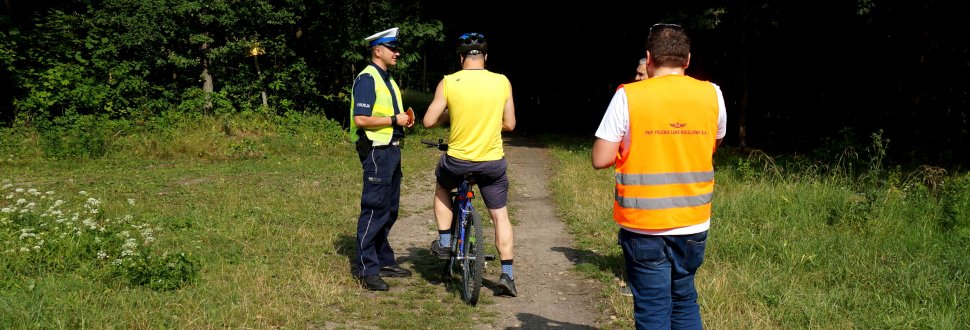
[(660, 273)]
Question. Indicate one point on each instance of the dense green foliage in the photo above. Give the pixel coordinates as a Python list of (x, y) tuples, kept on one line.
[(141, 59), (796, 77)]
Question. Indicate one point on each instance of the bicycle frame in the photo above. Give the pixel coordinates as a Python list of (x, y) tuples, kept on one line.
[(462, 206)]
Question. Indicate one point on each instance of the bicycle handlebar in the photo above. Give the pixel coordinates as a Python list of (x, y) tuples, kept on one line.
[(440, 144)]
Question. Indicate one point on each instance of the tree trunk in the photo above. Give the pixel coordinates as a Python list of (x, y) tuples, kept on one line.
[(207, 85)]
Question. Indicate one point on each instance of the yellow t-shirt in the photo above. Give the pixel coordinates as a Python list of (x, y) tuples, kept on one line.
[(476, 102)]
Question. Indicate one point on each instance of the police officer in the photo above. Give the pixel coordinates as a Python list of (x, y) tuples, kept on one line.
[(377, 130)]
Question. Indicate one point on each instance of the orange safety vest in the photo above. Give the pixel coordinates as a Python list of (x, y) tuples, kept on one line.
[(665, 175)]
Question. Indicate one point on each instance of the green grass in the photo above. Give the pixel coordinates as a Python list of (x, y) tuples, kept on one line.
[(266, 211), (799, 247)]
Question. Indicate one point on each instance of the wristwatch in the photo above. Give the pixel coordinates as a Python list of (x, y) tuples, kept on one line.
[(393, 121)]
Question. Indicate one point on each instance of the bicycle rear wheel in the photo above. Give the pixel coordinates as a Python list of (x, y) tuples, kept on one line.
[(473, 265)]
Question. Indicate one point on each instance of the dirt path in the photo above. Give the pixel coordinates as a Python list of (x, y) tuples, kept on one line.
[(551, 295)]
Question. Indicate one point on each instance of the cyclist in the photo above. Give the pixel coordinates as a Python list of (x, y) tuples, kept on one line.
[(478, 103)]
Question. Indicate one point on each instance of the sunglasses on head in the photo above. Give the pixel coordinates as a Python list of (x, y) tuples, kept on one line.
[(471, 38), (665, 26)]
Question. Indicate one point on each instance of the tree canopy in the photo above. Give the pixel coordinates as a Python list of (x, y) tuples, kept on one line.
[(797, 76)]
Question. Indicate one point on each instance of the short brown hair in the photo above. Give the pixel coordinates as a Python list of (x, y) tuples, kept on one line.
[(668, 45)]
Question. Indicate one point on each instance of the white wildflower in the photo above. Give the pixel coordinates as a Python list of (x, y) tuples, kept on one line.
[(21, 201), (33, 191), (50, 192), (6, 210), (31, 205), (24, 249), (130, 243), (82, 193), (87, 222), (19, 190), (131, 201), (102, 255), (10, 196), (7, 186), (116, 262)]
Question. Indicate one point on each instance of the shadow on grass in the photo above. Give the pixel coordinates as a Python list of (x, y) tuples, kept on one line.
[(427, 266), (580, 258), (346, 245), (532, 321)]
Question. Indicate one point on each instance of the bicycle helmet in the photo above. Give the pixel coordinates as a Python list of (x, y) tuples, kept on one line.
[(472, 44)]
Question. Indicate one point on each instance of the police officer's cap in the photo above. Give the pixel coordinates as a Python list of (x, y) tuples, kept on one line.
[(387, 37)]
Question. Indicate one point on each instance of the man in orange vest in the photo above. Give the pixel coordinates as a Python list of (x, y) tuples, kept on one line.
[(660, 135)]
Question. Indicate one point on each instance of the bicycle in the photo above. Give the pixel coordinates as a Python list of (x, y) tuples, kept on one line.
[(467, 241)]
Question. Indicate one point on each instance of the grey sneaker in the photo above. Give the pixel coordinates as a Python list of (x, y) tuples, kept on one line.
[(507, 284), (440, 251), (625, 291)]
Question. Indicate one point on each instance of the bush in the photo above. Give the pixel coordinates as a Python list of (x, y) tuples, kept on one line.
[(42, 234), (955, 202), (79, 136), (166, 272)]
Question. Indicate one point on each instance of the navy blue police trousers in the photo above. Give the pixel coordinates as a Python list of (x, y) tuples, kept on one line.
[(379, 204)]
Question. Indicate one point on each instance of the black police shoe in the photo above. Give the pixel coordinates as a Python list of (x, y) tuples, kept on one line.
[(508, 284), (394, 271), (439, 251), (375, 283)]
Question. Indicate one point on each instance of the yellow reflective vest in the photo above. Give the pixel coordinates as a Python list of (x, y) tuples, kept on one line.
[(383, 107)]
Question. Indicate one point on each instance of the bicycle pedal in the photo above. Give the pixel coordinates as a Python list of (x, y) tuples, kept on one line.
[(489, 257)]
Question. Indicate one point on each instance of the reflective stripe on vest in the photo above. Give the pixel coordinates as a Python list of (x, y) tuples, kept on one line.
[(665, 175), (383, 107)]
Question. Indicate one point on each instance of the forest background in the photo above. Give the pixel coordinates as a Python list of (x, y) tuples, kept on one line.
[(808, 78)]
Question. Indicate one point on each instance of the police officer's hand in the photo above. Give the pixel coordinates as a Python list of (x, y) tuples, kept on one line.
[(410, 114)]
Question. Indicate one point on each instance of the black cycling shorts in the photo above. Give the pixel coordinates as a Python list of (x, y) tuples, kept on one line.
[(491, 179)]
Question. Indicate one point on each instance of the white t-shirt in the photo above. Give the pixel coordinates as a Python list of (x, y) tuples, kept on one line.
[(613, 128)]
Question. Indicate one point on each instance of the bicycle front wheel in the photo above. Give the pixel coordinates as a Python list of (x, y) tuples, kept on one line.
[(473, 265)]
